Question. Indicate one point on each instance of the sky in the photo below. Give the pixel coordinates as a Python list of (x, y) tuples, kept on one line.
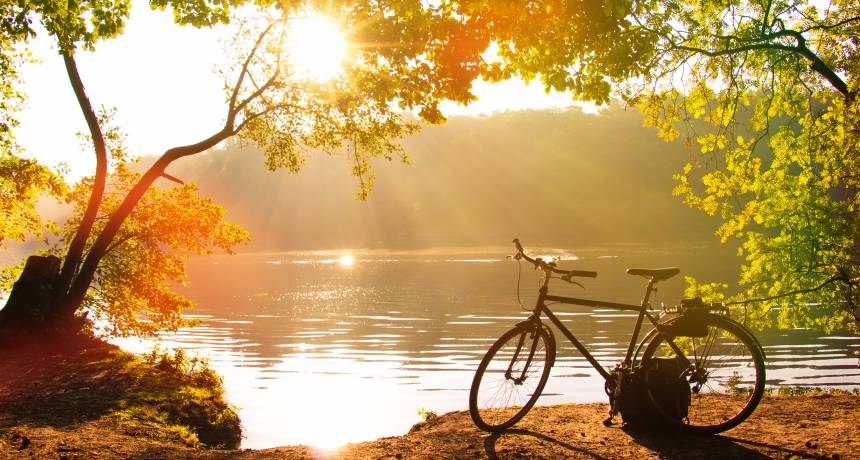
[(161, 78)]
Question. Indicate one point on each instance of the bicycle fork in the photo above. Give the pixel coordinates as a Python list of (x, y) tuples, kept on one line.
[(522, 377)]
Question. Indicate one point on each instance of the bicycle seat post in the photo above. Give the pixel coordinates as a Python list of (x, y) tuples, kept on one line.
[(648, 291), (628, 359)]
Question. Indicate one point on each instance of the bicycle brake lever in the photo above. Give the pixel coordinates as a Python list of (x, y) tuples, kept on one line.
[(569, 279)]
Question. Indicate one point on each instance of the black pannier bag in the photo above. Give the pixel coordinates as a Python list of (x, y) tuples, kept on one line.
[(668, 387), (691, 323)]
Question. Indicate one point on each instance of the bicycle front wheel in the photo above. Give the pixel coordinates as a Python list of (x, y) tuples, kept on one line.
[(726, 373), (511, 377)]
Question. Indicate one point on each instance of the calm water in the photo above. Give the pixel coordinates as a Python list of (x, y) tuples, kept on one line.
[(320, 349)]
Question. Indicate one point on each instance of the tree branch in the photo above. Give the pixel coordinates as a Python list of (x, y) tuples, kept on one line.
[(235, 95), (119, 242), (172, 178), (766, 14), (816, 63), (791, 293), (253, 116), (831, 26)]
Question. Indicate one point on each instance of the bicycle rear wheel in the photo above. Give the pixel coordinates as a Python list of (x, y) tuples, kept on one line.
[(726, 376), (511, 377)]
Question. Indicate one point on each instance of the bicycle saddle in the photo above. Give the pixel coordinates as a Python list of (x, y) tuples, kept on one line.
[(657, 274)]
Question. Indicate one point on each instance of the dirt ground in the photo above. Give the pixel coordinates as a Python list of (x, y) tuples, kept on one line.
[(782, 427), (51, 409)]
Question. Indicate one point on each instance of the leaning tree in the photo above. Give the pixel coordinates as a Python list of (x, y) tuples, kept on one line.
[(125, 244)]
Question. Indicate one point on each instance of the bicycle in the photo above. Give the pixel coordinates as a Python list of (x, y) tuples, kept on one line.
[(718, 357)]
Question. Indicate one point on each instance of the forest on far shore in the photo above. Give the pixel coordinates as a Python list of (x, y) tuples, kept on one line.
[(554, 177)]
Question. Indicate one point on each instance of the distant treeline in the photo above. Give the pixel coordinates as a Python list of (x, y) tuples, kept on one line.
[(548, 177)]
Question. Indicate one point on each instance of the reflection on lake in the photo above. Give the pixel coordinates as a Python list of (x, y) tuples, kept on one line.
[(324, 348)]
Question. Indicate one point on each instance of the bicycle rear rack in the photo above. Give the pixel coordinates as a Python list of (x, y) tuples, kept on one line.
[(695, 305)]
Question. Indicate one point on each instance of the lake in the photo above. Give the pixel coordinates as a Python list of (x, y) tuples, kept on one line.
[(327, 347)]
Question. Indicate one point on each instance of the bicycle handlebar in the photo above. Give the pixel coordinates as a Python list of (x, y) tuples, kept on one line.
[(539, 263)]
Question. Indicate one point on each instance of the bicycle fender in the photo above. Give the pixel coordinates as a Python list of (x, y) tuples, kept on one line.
[(748, 331), (530, 322), (642, 343)]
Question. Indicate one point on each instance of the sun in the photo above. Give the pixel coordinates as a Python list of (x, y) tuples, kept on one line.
[(316, 46)]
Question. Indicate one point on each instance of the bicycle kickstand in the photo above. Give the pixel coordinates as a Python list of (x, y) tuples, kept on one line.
[(614, 400), (612, 412)]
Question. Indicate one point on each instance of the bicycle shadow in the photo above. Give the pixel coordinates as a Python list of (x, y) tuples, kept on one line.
[(665, 445), (686, 445), (566, 449)]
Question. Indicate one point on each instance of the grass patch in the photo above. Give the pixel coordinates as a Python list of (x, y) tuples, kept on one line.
[(181, 395), (427, 415), (808, 391)]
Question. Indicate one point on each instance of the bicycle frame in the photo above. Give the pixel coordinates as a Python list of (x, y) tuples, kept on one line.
[(642, 309)]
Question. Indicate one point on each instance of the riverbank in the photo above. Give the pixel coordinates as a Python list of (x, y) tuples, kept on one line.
[(99, 402)]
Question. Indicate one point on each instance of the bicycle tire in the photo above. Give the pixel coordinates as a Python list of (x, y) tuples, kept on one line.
[(497, 404), (719, 399)]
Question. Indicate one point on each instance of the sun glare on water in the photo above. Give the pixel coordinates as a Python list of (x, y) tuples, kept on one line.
[(346, 260), (317, 47)]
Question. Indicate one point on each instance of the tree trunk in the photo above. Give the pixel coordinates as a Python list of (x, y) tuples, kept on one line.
[(31, 301), (78, 244)]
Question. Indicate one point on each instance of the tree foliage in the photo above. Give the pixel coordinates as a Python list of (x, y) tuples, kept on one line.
[(133, 292), (22, 179), (764, 92), (22, 182)]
